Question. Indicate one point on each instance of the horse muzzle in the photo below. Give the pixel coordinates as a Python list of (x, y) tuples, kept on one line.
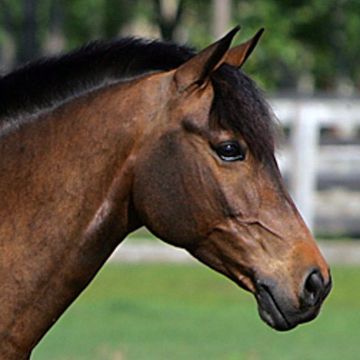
[(278, 310)]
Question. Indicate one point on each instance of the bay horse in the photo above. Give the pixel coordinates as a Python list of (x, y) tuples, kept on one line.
[(117, 135)]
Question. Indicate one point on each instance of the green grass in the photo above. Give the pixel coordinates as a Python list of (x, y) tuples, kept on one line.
[(189, 312), (142, 234)]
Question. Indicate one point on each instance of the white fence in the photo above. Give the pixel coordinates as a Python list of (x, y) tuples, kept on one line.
[(143, 250), (306, 117)]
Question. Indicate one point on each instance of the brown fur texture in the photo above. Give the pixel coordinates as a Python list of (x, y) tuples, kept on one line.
[(76, 179)]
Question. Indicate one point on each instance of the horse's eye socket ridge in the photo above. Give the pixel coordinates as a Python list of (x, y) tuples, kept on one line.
[(230, 151)]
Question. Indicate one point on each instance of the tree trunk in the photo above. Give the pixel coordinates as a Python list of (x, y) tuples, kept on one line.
[(168, 15), (55, 41), (29, 45), (8, 44), (221, 17)]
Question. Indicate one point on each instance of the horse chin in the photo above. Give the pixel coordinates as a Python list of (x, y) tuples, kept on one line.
[(270, 312), (276, 317)]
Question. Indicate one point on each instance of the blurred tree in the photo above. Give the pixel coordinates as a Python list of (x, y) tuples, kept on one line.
[(9, 17), (82, 21), (55, 41), (117, 13), (168, 15), (308, 44), (29, 42), (221, 16)]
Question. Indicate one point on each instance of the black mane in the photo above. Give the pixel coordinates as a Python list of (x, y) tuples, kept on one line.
[(40, 85), (48, 81)]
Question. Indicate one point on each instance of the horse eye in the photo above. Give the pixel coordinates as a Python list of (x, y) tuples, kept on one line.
[(230, 151)]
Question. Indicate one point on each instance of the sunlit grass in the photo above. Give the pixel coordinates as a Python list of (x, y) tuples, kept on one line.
[(190, 312)]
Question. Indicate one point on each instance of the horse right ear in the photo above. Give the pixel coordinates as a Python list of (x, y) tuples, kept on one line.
[(197, 69), (239, 54)]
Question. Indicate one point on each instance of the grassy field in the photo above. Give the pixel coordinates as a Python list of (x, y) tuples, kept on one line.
[(135, 312)]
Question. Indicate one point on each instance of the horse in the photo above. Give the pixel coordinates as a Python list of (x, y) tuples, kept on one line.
[(118, 135)]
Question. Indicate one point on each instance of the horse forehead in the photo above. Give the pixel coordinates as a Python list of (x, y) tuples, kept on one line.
[(196, 100)]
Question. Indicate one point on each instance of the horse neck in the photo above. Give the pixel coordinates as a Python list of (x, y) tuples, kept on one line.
[(65, 186), (67, 161)]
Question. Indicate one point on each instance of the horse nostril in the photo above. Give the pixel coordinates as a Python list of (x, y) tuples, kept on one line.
[(313, 288)]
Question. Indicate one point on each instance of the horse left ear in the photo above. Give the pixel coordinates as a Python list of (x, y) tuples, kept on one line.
[(197, 69), (239, 54)]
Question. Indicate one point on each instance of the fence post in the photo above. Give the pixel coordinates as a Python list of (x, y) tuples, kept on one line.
[(305, 139), (221, 17)]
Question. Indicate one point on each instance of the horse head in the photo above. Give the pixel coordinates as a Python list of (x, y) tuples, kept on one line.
[(206, 179)]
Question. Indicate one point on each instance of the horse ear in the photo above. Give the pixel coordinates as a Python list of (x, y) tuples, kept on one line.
[(197, 69), (238, 54)]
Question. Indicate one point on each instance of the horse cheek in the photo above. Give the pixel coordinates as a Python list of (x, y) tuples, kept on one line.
[(161, 198)]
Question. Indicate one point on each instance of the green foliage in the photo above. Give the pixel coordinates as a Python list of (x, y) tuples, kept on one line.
[(303, 37), (190, 312), (316, 39)]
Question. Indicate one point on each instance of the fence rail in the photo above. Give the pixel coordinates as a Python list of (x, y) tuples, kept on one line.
[(306, 117), (137, 250)]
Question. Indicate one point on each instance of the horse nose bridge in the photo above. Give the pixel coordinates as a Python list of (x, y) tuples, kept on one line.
[(302, 251), (292, 269)]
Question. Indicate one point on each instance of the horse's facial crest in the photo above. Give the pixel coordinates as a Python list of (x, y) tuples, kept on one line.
[(200, 187)]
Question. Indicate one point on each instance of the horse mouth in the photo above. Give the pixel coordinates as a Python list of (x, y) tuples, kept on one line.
[(270, 311), (279, 314)]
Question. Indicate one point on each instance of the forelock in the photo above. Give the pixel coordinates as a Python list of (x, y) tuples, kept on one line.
[(239, 106)]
